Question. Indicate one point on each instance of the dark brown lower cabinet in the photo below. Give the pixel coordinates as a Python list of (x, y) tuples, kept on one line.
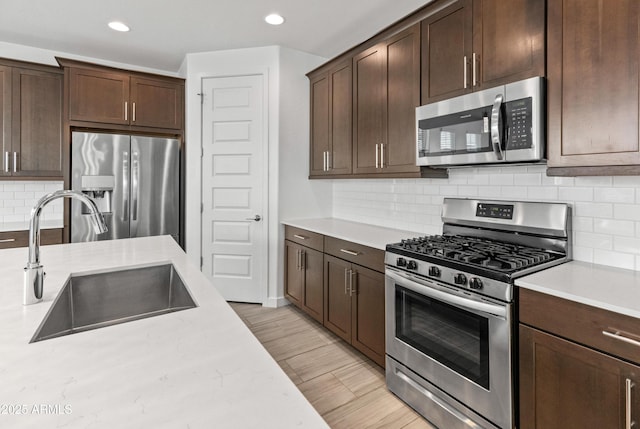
[(354, 305), (12, 239), (568, 386), (303, 281)]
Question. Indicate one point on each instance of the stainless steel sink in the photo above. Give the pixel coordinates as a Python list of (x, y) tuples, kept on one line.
[(98, 300)]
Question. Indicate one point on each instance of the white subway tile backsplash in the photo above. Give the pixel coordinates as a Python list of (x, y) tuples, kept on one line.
[(575, 193), (614, 227), (606, 210), (626, 211), (17, 198), (614, 195)]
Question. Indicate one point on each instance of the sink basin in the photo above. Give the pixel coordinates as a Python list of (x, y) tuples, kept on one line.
[(97, 300)]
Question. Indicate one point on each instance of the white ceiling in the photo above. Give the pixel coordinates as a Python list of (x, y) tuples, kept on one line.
[(163, 31)]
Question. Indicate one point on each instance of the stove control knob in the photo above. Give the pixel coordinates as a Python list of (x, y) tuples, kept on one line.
[(475, 283), (412, 265), (401, 262), (434, 271), (460, 279)]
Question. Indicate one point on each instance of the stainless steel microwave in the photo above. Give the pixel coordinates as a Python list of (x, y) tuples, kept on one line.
[(496, 125)]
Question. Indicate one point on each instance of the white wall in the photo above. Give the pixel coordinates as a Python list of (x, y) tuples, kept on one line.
[(606, 210), (288, 98)]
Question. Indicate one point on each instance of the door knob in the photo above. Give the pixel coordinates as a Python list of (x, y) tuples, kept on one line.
[(257, 218)]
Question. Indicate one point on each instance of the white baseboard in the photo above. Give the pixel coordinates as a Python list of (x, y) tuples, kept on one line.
[(275, 302)]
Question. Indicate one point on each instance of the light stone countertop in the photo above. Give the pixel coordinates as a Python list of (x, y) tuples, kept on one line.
[(601, 286), (23, 226), (197, 368), (367, 235)]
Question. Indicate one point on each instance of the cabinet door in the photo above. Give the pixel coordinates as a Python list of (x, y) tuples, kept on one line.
[(340, 118), (508, 41), (368, 313), (156, 103), (37, 123), (98, 96), (337, 302), (294, 276), (564, 385), (5, 118), (369, 108), (593, 82), (320, 135), (398, 154), (313, 296), (447, 38)]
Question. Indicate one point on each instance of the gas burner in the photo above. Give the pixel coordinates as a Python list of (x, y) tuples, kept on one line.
[(481, 252)]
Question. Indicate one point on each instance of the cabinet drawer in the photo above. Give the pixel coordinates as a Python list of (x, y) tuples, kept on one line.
[(11, 239), (304, 237), (582, 323), (356, 253)]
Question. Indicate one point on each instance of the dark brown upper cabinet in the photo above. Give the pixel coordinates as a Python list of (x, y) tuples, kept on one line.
[(386, 88), (110, 96), (31, 102), (593, 87), (330, 152), (477, 44)]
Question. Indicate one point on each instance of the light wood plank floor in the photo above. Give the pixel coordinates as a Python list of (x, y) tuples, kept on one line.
[(343, 385)]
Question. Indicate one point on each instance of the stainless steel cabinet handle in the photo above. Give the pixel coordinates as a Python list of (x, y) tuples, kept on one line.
[(15, 162), (465, 71), (6, 162), (256, 218), (496, 138), (135, 186), (328, 160), (133, 116), (350, 252), (297, 259), (125, 185), (618, 336), (377, 161), (346, 274), (126, 111), (300, 237), (303, 257), (8, 240), (352, 289), (324, 161), (628, 390), (473, 59), (381, 155)]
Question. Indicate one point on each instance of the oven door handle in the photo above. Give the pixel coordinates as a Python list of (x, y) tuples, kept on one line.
[(424, 288)]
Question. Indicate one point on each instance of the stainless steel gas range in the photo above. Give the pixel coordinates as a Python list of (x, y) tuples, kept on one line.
[(450, 307)]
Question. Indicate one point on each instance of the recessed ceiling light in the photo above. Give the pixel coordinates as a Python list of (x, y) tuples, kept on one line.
[(274, 19), (118, 26)]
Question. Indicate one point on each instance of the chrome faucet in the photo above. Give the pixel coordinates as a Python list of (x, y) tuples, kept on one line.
[(33, 272)]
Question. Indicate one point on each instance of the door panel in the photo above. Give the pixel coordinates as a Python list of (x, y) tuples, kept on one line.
[(234, 245), (98, 96), (340, 128), (5, 119), (337, 305), (293, 271), (312, 261), (155, 187), (319, 124), (100, 167), (368, 313), (156, 103)]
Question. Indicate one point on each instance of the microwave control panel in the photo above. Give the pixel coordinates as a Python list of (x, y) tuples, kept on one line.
[(519, 117)]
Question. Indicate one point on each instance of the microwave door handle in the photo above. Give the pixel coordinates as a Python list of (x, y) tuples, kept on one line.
[(496, 138)]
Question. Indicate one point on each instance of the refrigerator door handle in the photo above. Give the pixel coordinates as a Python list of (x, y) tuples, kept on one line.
[(125, 186), (135, 186)]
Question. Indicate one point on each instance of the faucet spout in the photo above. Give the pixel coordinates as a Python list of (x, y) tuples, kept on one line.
[(34, 271)]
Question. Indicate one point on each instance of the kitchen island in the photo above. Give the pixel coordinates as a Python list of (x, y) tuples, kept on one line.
[(197, 368)]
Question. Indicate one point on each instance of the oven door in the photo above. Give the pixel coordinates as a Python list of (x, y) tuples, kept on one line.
[(455, 340)]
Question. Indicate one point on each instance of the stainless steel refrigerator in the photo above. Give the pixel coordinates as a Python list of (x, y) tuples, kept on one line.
[(133, 180)]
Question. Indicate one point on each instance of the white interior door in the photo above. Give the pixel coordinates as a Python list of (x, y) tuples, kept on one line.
[(234, 184)]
